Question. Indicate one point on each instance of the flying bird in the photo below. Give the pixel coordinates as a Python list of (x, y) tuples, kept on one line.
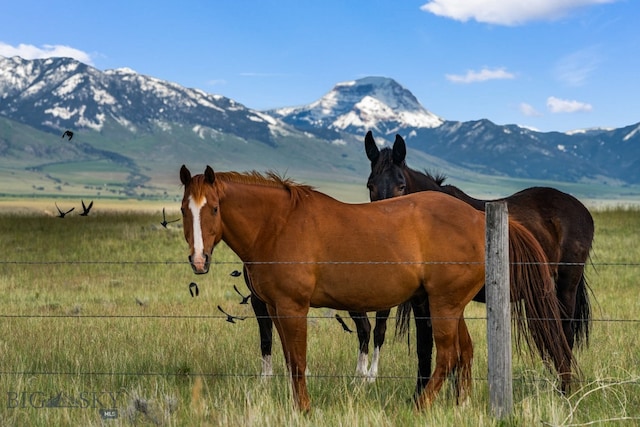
[(245, 300), (193, 289), (67, 133), (230, 318), (344, 325), (164, 219), (61, 213), (86, 209), (235, 273)]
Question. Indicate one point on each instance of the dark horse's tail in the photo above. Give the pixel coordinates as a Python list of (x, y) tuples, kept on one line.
[(535, 305), (582, 313), (403, 315)]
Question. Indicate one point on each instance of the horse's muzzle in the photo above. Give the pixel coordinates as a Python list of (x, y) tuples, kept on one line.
[(200, 264)]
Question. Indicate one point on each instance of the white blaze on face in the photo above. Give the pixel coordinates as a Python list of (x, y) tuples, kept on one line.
[(198, 242)]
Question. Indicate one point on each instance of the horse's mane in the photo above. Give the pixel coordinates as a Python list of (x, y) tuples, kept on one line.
[(269, 179), (438, 178)]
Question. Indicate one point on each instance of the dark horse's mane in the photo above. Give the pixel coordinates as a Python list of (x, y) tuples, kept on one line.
[(452, 190), (438, 179)]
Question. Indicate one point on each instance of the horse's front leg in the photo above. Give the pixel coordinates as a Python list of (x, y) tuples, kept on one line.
[(445, 325), (363, 329), (291, 322), (265, 327), (378, 340)]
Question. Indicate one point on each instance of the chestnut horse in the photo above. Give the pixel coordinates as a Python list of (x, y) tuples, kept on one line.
[(561, 224), (305, 249)]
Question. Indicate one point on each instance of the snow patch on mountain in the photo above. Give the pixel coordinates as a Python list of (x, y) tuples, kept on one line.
[(121, 71), (96, 124), (587, 131), (631, 134), (101, 96)]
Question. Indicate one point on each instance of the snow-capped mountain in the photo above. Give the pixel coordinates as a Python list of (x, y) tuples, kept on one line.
[(384, 106), (141, 122), (58, 93), (371, 103)]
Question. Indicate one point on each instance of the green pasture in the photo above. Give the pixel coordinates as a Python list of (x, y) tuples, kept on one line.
[(98, 328)]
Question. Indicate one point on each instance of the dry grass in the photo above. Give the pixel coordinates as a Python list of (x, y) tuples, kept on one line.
[(96, 311)]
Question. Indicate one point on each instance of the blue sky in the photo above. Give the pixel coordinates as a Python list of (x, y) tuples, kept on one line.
[(553, 65)]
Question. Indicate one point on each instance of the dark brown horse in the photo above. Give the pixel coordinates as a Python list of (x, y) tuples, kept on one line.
[(305, 249), (563, 226)]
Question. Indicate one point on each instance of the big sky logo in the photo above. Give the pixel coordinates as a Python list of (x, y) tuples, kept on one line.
[(83, 400)]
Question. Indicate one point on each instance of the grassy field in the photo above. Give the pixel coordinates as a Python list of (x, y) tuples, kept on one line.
[(96, 315)]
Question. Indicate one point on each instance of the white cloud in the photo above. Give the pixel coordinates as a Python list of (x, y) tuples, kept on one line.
[(28, 51), (557, 105), (528, 110), (480, 76), (505, 12)]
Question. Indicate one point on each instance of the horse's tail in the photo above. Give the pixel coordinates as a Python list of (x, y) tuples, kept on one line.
[(582, 313), (535, 303), (403, 315)]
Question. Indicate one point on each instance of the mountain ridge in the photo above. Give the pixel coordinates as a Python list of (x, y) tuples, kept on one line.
[(145, 125)]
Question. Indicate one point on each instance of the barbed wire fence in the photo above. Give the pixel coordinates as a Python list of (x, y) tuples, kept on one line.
[(223, 317)]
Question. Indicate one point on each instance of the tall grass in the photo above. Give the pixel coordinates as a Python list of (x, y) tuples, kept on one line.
[(96, 311)]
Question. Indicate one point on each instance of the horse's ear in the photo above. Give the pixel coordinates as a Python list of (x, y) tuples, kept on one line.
[(371, 148), (185, 175), (209, 175), (399, 150)]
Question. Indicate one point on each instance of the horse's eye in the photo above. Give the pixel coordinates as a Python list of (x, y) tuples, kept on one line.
[(215, 210), (402, 188)]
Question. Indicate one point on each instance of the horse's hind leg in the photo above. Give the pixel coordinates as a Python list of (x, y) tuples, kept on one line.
[(424, 341), (265, 327), (465, 361), (378, 340), (363, 329), (445, 331)]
